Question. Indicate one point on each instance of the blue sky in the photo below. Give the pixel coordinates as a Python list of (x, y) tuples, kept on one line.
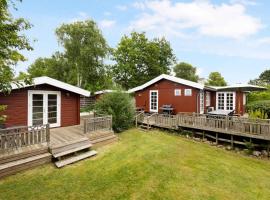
[(232, 37)]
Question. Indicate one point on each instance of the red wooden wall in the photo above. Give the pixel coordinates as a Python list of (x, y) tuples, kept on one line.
[(166, 96), (17, 102)]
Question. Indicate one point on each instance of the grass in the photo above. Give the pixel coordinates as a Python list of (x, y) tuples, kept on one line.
[(152, 165)]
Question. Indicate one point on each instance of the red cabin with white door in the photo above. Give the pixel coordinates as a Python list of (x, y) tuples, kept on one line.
[(188, 96), (46, 101)]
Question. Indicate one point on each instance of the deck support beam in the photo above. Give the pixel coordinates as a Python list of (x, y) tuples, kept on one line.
[(232, 143), (216, 138)]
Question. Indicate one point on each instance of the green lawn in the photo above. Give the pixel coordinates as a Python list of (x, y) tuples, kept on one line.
[(147, 165)]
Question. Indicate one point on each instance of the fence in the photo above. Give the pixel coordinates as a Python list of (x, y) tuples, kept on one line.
[(97, 123), (14, 138)]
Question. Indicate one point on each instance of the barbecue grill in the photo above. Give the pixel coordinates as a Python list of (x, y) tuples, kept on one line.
[(166, 109)]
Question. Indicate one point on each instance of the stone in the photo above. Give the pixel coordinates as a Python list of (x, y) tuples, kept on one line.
[(220, 146), (256, 153), (197, 139)]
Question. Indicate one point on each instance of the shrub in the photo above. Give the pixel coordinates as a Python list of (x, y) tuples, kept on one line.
[(2, 117), (259, 109), (120, 105)]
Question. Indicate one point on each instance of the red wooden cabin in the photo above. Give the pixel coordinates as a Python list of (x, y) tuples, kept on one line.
[(188, 96), (46, 100)]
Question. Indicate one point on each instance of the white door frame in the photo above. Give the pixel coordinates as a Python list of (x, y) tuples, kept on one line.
[(45, 106), (225, 100), (201, 102), (150, 99)]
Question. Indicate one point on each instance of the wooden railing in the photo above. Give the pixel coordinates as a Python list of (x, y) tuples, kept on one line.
[(225, 124), (139, 117), (14, 138), (92, 124), (230, 124)]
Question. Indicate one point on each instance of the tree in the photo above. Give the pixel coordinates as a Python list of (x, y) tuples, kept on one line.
[(263, 79), (139, 59), (186, 71), (11, 42), (120, 105), (56, 67), (215, 79), (85, 49)]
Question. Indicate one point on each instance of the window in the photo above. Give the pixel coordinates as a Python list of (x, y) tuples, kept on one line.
[(153, 101), (225, 100), (177, 92), (188, 92), (207, 99)]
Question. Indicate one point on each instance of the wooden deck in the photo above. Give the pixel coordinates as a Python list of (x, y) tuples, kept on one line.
[(25, 147), (226, 129)]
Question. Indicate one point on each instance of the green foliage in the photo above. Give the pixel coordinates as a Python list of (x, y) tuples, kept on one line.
[(250, 146), (2, 117), (259, 96), (263, 79), (259, 109), (186, 71), (121, 106), (12, 41), (85, 49), (139, 59), (215, 79), (88, 108)]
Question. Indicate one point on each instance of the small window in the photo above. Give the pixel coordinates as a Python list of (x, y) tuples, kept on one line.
[(177, 92), (188, 92)]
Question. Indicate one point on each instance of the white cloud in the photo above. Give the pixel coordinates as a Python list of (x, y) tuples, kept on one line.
[(245, 2), (122, 7), (139, 5), (198, 17), (106, 23)]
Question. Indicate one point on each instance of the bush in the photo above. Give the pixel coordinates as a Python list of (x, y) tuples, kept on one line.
[(88, 108), (259, 109), (259, 96), (120, 105)]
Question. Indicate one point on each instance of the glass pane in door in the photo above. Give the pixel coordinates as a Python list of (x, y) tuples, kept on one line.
[(52, 108), (153, 101), (37, 113)]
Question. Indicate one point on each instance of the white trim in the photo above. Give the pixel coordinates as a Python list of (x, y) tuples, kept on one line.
[(170, 78), (175, 92), (104, 91), (45, 106), (245, 87), (53, 82), (151, 110), (225, 100), (188, 95), (201, 102)]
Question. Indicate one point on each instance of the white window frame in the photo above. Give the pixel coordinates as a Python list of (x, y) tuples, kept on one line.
[(45, 106), (190, 94), (225, 100), (207, 98), (150, 100), (177, 92)]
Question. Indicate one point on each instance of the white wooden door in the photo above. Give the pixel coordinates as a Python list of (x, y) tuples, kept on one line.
[(153, 100), (44, 107)]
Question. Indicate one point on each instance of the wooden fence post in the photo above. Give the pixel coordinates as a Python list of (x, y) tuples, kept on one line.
[(48, 133), (84, 126)]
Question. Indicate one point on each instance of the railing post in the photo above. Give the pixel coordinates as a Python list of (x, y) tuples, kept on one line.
[(48, 133), (84, 126)]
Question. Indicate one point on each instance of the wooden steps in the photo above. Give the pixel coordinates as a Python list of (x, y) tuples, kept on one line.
[(72, 151), (15, 166), (76, 158), (71, 145)]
